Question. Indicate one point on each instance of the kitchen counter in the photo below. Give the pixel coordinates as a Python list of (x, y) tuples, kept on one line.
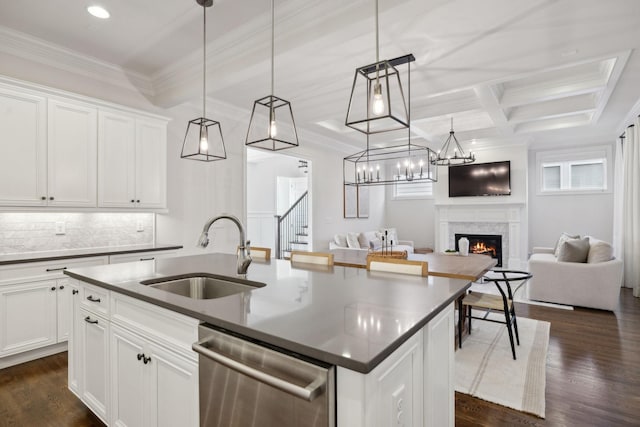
[(344, 316), (25, 257)]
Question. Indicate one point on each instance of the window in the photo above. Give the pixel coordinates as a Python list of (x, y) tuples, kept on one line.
[(417, 190), (573, 171)]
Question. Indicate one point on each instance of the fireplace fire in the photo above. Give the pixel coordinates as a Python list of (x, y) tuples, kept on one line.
[(487, 244)]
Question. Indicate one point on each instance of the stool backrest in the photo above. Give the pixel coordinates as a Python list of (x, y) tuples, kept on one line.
[(319, 258), (391, 265)]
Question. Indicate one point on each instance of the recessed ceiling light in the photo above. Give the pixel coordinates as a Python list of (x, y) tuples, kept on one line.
[(98, 12)]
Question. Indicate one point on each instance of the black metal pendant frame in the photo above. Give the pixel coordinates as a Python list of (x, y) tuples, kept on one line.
[(274, 108), (214, 132)]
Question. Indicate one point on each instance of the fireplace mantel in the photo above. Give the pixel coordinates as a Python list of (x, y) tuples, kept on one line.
[(506, 219)]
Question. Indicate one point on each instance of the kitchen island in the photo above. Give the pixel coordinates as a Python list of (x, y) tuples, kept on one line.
[(389, 335)]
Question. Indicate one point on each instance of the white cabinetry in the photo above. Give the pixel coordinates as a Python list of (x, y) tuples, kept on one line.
[(132, 161), (145, 373), (23, 148), (71, 153), (65, 150), (412, 387), (35, 305), (93, 362), (141, 256)]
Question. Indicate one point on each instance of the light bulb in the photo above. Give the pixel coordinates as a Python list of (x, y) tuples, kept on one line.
[(273, 129), (377, 106), (204, 138)]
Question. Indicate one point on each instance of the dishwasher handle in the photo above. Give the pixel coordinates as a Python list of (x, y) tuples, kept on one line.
[(308, 393)]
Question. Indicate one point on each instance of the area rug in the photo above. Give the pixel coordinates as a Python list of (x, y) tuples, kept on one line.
[(485, 367)]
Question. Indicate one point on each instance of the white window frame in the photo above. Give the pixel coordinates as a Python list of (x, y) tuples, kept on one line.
[(426, 195), (565, 159)]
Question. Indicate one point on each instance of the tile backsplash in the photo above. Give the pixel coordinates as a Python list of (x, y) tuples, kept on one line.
[(30, 232)]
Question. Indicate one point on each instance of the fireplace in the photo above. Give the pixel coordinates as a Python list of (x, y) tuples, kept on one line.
[(488, 244)]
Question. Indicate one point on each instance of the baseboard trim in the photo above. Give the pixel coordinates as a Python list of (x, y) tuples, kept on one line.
[(30, 355)]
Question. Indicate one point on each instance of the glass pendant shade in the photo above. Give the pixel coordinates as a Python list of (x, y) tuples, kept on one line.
[(203, 141), (272, 126), (378, 103), (451, 153)]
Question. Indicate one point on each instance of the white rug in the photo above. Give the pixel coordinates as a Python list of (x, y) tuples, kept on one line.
[(485, 367)]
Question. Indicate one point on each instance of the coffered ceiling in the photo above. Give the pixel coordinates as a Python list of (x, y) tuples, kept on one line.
[(541, 72)]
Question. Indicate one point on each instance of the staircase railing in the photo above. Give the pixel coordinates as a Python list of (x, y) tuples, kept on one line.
[(290, 225)]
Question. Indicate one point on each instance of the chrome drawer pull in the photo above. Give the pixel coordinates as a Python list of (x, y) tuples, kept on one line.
[(308, 393)]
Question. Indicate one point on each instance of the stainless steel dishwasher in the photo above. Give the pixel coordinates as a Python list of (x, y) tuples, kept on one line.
[(243, 383)]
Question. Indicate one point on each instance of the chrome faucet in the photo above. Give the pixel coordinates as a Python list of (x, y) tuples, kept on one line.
[(244, 252)]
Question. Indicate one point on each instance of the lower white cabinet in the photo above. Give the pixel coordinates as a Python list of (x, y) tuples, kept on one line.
[(150, 385), (93, 362), (414, 386), (28, 316), (129, 361)]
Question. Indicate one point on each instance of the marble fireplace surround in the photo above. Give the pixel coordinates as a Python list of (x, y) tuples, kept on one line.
[(506, 220)]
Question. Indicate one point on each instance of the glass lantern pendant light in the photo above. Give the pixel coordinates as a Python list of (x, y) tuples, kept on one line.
[(203, 140), (445, 157), (272, 126), (377, 103)]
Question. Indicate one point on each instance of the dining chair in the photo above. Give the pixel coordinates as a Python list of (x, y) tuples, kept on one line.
[(319, 258), (393, 265), (494, 303)]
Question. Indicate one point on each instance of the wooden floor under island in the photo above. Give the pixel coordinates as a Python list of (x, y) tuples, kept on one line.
[(592, 378)]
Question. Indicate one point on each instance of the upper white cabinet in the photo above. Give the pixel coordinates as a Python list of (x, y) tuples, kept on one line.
[(23, 148), (68, 151), (132, 161), (71, 151)]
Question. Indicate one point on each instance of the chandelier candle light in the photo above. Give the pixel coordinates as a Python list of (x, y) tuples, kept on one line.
[(377, 102), (445, 157), (203, 139), (272, 126)]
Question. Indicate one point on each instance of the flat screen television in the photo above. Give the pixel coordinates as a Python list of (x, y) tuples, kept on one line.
[(480, 179)]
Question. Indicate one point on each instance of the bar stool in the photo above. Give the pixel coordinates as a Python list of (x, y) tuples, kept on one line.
[(392, 265), (318, 258)]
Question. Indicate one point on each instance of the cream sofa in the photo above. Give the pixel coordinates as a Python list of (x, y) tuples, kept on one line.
[(583, 284), (369, 241)]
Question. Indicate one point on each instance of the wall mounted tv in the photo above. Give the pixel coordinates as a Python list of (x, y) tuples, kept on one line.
[(480, 179)]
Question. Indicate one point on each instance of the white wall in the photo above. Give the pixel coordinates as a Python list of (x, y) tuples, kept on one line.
[(414, 219), (583, 214)]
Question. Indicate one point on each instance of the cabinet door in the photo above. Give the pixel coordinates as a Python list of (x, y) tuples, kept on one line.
[(151, 164), (64, 308), (116, 160), (439, 378), (73, 290), (23, 149), (128, 379), (28, 316), (71, 153), (173, 389), (94, 374)]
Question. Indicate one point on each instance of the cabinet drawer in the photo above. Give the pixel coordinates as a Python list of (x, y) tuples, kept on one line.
[(173, 330), (94, 299), (27, 272), (140, 256)]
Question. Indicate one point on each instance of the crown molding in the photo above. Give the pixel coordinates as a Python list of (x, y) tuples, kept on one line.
[(629, 119), (37, 50)]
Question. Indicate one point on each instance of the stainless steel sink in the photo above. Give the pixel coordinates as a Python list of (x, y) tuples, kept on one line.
[(202, 286)]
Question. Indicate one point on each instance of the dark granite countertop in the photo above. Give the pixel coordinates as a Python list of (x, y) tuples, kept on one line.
[(339, 315), (81, 253)]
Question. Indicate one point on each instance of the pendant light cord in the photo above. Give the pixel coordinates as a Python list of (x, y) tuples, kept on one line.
[(204, 60), (272, 45), (377, 48)]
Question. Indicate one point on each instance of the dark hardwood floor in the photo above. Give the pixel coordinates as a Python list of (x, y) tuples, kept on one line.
[(593, 371), (593, 378)]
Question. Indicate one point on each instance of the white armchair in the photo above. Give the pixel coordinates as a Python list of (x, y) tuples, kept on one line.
[(594, 285)]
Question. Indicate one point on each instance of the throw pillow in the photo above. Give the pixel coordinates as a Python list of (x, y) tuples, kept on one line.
[(563, 238), (352, 241), (341, 240), (600, 252), (365, 238), (375, 244), (574, 250)]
